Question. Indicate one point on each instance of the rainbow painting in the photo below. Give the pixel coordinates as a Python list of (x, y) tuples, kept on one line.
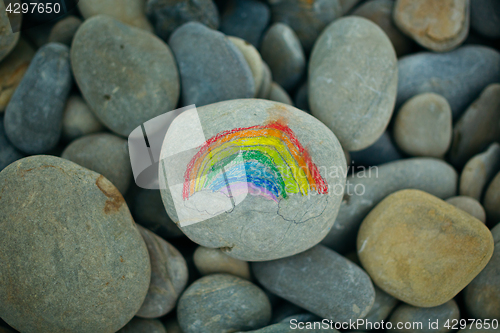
[(266, 160)]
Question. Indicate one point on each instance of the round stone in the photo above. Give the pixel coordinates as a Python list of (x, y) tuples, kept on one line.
[(278, 94), (469, 205), (267, 80), (8, 153), (284, 204), (253, 58), (78, 119), (169, 276), (103, 153), (485, 17), (492, 200), (71, 252), (320, 281), (352, 96), (212, 69), (421, 249), (382, 307), (138, 325), (380, 152), (423, 126), (64, 30), (8, 39), (301, 98), (134, 81), (222, 303), (282, 51), (437, 25), (212, 261), (34, 115)]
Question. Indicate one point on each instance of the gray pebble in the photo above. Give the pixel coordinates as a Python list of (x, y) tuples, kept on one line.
[(8, 153), (320, 281), (469, 205), (282, 51), (449, 75), (352, 96), (8, 39), (478, 127), (34, 115), (138, 325), (253, 59), (136, 79), (479, 171), (278, 94), (492, 201), (78, 119), (246, 19), (168, 15), (367, 188), (213, 261), (382, 307), (68, 239), (301, 98), (267, 80), (212, 69), (222, 303), (169, 276), (103, 153), (485, 17), (172, 326), (380, 152), (347, 5), (64, 30)]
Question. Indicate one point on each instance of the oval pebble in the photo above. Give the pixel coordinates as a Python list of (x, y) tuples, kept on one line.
[(212, 69), (169, 276), (485, 17), (253, 59), (423, 126), (367, 188), (138, 325), (81, 249), (492, 201), (135, 80), (382, 307), (8, 39), (103, 153), (78, 119), (320, 281), (282, 51), (213, 261), (380, 152), (8, 153), (422, 250), (64, 30), (267, 80), (278, 94), (301, 98), (469, 205), (34, 115), (271, 222), (222, 303), (353, 97)]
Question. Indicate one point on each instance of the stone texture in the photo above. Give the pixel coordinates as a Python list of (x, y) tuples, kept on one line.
[(479, 171), (222, 303), (8, 153), (306, 18), (423, 126), (64, 30), (78, 119), (320, 281), (282, 51), (34, 115), (380, 152), (367, 188), (73, 258), (172, 326), (246, 19), (437, 25), (267, 80), (485, 17), (103, 153), (380, 12), (445, 313), (213, 261), (8, 39), (382, 307), (169, 276), (353, 97), (422, 250), (482, 295), (492, 201), (478, 127), (135, 80), (168, 15), (302, 99), (130, 12), (138, 325), (258, 228), (347, 5), (469, 205), (253, 59), (212, 69), (278, 94), (12, 70), (449, 75)]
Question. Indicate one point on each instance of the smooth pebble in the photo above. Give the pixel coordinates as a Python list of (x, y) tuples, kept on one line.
[(213, 261), (469, 205)]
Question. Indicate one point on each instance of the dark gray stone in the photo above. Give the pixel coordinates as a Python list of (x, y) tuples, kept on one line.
[(8, 153), (246, 19), (320, 281), (211, 67), (168, 15), (492, 201), (449, 75), (301, 98), (222, 303), (382, 307), (34, 115), (485, 17), (73, 258), (136, 79), (138, 325), (382, 151)]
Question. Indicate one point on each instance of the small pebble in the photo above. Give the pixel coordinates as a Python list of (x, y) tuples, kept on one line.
[(78, 119), (253, 59), (222, 303), (34, 115), (8, 39), (485, 17), (64, 30), (383, 306), (213, 261), (282, 51), (352, 96), (347, 5), (301, 98), (172, 326), (380, 152), (469, 205), (138, 325), (278, 94), (479, 171), (267, 80), (103, 153), (422, 250), (492, 201), (8, 153), (423, 126)]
